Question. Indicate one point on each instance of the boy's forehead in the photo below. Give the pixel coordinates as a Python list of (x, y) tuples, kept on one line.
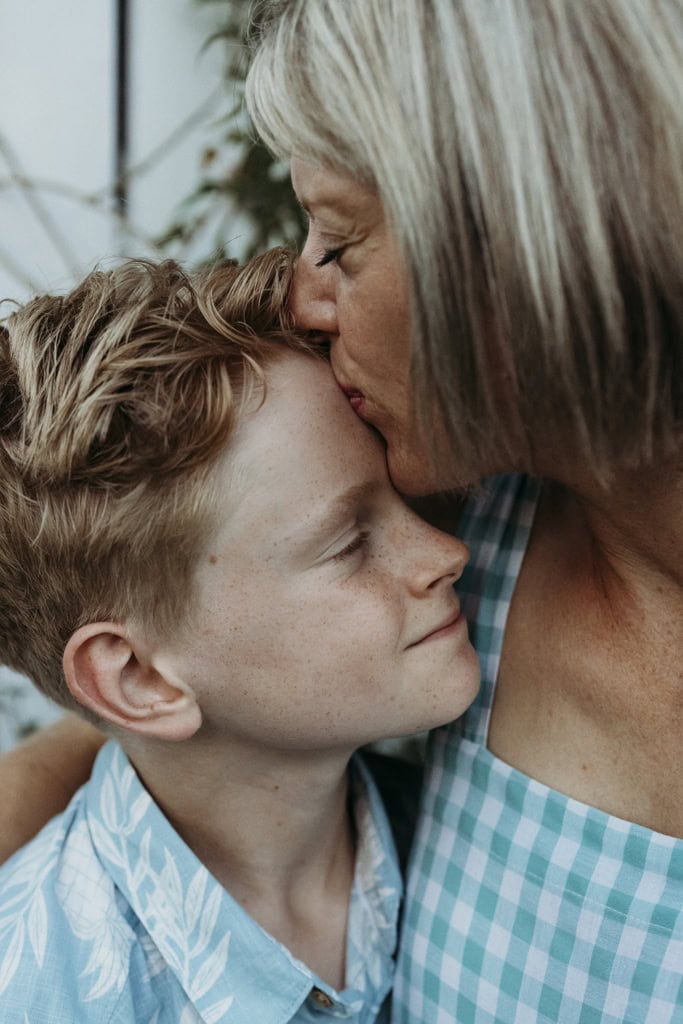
[(300, 392), (301, 446), (304, 414), (295, 385)]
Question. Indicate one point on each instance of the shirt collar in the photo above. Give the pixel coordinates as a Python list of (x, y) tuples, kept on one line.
[(217, 952)]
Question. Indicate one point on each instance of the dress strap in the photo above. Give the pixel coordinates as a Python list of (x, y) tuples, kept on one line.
[(495, 524)]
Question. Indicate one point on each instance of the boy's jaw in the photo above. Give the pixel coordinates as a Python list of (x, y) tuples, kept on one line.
[(309, 636)]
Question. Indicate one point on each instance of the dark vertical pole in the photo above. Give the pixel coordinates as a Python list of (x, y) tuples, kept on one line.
[(121, 128)]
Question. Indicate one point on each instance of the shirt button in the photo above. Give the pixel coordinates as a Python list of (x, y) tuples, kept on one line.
[(321, 999)]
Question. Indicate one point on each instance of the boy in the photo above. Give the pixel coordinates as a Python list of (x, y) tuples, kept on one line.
[(200, 548)]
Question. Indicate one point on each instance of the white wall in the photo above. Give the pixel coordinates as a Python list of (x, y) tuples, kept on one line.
[(56, 81), (166, 92), (57, 105)]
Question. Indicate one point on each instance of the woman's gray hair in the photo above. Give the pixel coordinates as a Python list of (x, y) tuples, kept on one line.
[(529, 154)]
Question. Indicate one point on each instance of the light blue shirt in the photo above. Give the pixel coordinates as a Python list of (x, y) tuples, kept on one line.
[(108, 916)]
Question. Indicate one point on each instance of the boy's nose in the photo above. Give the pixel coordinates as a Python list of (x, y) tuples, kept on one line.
[(438, 558), (454, 557), (312, 301)]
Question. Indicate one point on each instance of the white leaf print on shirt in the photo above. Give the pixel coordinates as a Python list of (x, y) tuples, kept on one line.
[(207, 920), (37, 926), (11, 959), (23, 904), (183, 919), (89, 904), (214, 1014), (194, 899), (212, 968)]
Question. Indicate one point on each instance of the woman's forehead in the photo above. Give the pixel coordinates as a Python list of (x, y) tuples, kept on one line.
[(323, 190)]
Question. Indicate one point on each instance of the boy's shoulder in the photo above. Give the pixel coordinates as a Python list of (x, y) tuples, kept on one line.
[(64, 937), (52, 894), (107, 917), (72, 945)]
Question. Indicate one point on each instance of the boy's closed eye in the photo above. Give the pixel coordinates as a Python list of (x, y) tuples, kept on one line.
[(356, 544)]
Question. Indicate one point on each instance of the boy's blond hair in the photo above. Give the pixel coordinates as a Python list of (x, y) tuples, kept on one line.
[(115, 402)]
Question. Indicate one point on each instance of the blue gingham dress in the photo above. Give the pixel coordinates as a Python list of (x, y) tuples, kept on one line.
[(524, 905)]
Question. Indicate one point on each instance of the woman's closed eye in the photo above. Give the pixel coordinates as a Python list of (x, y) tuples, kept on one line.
[(330, 256), (354, 545)]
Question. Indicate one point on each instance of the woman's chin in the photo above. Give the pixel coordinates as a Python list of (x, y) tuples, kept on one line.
[(411, 472)]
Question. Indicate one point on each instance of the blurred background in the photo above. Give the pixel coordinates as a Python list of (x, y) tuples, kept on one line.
[(123, 133)]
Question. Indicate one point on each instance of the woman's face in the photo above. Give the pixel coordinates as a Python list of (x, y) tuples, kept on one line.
[(351, 286)]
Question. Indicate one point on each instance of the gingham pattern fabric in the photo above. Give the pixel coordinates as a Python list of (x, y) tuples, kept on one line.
[(523, 905)]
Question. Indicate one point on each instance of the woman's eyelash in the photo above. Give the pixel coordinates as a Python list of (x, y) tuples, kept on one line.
[(330, 256), (354, 545)]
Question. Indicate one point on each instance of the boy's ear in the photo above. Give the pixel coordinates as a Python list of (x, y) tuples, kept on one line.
[(108, 673)]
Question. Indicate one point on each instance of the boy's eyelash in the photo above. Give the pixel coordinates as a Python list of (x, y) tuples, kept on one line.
[(330, 256), (354, 545)]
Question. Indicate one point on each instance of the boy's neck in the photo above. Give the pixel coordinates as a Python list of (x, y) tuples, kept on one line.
[(273, 829)]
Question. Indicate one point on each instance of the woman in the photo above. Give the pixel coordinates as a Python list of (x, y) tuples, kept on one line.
[(495, 253), (495, 196)]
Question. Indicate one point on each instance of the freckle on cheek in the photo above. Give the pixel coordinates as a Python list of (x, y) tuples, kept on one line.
[(212, 559)]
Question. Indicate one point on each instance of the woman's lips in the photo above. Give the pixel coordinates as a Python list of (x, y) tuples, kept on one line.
[(356, 399)]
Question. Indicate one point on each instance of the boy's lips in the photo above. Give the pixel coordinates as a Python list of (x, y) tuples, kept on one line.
[(454, 620)]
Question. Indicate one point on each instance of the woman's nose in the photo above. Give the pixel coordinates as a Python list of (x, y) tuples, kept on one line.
[(312, 299)]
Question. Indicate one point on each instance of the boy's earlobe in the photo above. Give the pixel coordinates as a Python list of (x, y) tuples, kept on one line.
[(108, 675)]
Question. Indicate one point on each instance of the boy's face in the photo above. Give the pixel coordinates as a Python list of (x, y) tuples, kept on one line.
[(326, 614)]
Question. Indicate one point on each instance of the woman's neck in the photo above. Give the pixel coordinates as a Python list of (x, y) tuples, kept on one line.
[(636, 524), (590, 692)]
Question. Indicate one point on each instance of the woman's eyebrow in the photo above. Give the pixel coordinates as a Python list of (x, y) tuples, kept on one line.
[(324, 207)]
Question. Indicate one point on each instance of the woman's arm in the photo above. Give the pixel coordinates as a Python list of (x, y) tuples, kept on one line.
[(40, 775)]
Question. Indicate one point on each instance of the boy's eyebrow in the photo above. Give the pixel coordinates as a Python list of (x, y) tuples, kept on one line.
[(341, 506)]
